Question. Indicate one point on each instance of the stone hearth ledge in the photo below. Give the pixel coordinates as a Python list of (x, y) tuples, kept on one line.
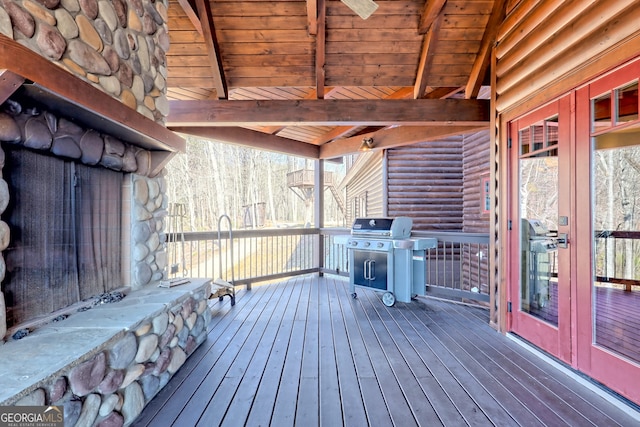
[(55, 348)]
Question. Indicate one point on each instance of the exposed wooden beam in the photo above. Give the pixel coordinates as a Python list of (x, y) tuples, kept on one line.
[(329, 112), (213, 51), (320, 48), (429, 45), (395, 137), (251, 138), (191, 14), (483, 58), (430, 12), (9, 83)]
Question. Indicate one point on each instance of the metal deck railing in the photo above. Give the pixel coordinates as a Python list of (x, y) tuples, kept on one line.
[(457, 269)]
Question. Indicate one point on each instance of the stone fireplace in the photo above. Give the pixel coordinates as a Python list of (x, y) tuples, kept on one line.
[(87, 100)]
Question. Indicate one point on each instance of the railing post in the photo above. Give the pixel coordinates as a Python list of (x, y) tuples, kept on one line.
[(318, 197)]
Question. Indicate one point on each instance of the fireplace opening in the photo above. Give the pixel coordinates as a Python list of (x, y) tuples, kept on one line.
[(65, 220)]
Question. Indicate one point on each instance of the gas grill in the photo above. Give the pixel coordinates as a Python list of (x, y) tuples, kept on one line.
[(384, 257)]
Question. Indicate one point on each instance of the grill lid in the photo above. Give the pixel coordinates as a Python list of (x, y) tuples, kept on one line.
[(391, 228)]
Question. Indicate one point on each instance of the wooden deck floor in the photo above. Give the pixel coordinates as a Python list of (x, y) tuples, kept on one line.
[(304, 353)]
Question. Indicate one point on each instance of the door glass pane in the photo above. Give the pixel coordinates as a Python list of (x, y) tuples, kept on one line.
[(627, 103), (601, 112), (616, 225), (538, 186)]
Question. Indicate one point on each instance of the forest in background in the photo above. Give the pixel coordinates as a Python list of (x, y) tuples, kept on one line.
[(212, 178)]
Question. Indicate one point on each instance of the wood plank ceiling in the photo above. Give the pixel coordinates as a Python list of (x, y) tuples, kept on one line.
[(313, 78)]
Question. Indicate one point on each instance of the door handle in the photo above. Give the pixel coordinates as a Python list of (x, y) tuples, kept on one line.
[(563, 240), (372, 270)]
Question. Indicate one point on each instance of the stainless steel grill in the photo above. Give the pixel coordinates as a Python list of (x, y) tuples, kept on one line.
[(383, 257)]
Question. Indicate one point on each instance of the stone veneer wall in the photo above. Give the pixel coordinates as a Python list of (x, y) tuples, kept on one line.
[(111, 386), (119, 46)]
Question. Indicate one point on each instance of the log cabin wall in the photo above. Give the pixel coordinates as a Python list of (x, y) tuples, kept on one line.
[(476, 164), (364, 187), (425, 182)]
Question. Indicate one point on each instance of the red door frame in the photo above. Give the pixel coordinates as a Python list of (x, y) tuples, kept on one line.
[(617, 373), (554, 340)]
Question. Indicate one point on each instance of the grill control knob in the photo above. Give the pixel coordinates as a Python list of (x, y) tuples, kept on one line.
[(380, 244), (354, 243), (367, 244)]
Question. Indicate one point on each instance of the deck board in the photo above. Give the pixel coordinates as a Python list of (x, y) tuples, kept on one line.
[(303, 352)]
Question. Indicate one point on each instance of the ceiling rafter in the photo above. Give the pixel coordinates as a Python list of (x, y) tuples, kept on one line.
[(329, 112), (483, 58), (429, 44), (312, 17), (213, 51), (191, 14), (430, 12)]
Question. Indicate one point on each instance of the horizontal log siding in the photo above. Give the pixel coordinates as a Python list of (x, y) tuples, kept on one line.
[(476, 163), (425, 182), (559, 45), (367, 185)]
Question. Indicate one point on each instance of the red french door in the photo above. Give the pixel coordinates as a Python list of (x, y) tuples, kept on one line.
[(540, 217), (574, 178), (608, 242)]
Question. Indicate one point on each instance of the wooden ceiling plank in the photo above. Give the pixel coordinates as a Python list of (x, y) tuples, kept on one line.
[(430, 12), (209, 34), (191, 14), (357, 112), (9, 83), (394, 137), (254, 139), (483, 58)]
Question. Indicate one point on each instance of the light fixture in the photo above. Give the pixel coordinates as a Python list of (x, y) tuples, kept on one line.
[(367, 144)]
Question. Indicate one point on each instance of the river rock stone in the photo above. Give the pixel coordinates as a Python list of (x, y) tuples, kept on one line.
[(4, 196), (88, 58), (108, 13), (146, 347), (190, 344), (121, 44), (166, 337), (109, 403), (140, 251), (58, 390), (198, 327), (151, 10), (160, 323), (111, 382), (51, 43), (103, 30), (182, 337), (5, 235), (111, 161), (89, 411), (187, 307), (114, 419), (133, 21), (149, 25), (162, 363), (129, 163), (21, 19), (143, 273), (37, 134), (5, 24), (133, 373), (66, 24), (40, 14), (143, 159), (153, 242), (110, 84), (92, 145), (112, 58), (35, 398), (123, 352), (125, 74), (141, 232), (150, 386), (72, 409), (72, 6), (9, 129), (90, 8), (162, 10), (85, 377), (49, 4), (178, 357), (66, 146), (88, 33), (133, 402)]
